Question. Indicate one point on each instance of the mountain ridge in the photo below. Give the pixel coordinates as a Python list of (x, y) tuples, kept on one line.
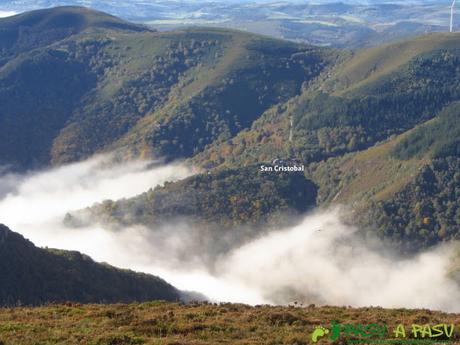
[(143, 89), (34, 276)]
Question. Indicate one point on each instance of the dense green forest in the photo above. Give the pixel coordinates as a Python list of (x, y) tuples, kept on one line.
[(440, 137), (217, 202), (376, 129), (390, 105), (366, 143), (34, 276)]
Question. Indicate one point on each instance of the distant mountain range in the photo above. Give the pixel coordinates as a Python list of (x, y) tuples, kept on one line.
[(329, 23)]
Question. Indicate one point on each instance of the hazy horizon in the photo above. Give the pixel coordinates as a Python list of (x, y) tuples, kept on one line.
[(347, 23)]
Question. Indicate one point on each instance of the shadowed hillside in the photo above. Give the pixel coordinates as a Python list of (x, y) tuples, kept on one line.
[(376, 128), (32, 276), (225, 98)]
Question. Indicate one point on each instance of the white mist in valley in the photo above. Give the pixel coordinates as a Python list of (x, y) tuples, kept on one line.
[(321, 260), (34, 204), (4, 14), (324, 261)]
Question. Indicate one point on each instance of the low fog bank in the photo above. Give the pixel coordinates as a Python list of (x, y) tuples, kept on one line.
[(321, 260), (324, 261), (4, 14), (34, 204)]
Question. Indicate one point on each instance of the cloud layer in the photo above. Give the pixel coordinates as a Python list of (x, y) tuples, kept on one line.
[(320, 261), (4, 14)]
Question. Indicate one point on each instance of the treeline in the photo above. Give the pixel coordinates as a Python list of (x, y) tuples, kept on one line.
[(332, 124)]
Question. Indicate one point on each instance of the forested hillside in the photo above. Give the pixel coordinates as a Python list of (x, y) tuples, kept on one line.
[(231, 197), (368, 131), (376, 131), (345, 111), (34, 276), (74, 82)]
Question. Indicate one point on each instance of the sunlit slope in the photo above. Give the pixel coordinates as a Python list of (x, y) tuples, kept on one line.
[(96, 83), (406, 189), (70, 17), (223, 96), (204, 324), (395, 93), (224, 99), (361, 178), (368, 65), (379, 172), (214, 212)]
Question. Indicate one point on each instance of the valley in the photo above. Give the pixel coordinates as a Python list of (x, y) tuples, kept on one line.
[(144, 148)]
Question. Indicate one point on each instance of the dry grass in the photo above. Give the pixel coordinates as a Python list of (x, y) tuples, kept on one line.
[(175, 324)]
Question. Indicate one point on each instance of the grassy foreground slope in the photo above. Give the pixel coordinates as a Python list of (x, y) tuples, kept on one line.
[(199, 324), (33, 276)]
